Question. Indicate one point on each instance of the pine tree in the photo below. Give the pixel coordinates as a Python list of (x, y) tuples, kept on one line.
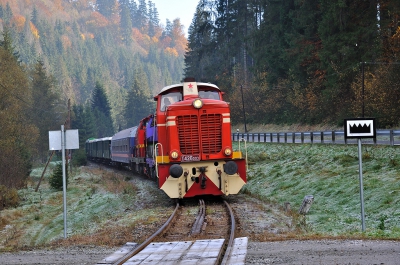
[(199, 55), (46, 106), (35, 16), (133, 8), (140, 19), (125, 22), (7, 15), (56, 179), (102, 112), (154, 20), (348, 32), (106, 7), (139, 103), (389, 25), (83, 120), (7, 43)]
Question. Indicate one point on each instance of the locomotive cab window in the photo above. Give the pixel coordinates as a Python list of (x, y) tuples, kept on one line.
[(209, 94), (169, 99)]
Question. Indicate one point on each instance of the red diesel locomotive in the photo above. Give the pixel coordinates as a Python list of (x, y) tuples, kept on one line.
[(186, 145)]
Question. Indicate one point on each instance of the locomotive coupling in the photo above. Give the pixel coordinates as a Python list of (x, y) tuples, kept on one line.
[(202, 170), (203, 181)]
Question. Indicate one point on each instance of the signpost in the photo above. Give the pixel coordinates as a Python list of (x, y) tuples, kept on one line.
[(62, 140), (360, 128)]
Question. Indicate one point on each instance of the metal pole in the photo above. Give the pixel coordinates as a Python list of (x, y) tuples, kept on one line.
[(64, 180), (362, 89), (244, 113), (361, 184)]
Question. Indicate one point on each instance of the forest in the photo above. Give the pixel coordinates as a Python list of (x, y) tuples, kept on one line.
[(90, 65), (95, 65), (300, 61)]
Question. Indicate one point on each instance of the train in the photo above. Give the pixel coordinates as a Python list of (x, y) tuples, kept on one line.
[(186, 145)]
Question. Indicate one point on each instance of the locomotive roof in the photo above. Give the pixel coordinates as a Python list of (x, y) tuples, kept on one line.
[(98, 140), (181, 85), (130, 132)]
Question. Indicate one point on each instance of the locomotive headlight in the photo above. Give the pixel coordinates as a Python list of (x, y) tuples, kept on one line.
[(197, 103), (174, 154), (228, 151)]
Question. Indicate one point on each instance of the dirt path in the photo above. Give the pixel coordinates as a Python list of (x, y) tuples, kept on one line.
[(330, 252), (349, 252)]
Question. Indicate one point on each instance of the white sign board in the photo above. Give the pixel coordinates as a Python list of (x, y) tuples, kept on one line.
[(359, 128), (71, 140)]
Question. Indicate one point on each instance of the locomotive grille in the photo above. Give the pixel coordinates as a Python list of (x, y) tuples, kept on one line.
[(188, 133), (209, 134)]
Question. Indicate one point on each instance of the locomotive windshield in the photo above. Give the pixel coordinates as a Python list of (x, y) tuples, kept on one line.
[(170, 98), (173, 97), (209, 94)]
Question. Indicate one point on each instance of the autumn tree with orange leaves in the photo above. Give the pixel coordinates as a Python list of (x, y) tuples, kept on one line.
[(17, 133)]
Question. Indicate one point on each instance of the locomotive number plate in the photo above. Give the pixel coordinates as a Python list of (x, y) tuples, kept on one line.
[(189, 158)]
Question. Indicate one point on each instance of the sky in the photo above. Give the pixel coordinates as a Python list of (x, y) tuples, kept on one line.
[(171, 9)]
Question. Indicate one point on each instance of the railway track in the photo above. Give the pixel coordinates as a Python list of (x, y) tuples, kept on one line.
[(198, 234)]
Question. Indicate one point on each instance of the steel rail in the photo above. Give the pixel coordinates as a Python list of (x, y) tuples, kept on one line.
[(229, 248), (147, 241), (198, 224)]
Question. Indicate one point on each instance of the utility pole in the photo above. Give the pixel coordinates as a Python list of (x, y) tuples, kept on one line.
[(68, 125), (362, 90), (244, 112)]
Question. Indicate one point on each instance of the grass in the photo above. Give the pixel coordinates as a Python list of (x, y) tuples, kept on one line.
[(102, 209), (280, 173), (105, 209)]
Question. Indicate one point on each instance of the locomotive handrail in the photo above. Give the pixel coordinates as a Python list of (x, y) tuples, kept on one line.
[(245, 148), (155, 156)]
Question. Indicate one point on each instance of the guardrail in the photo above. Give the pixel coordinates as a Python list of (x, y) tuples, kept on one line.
[(383, 137)]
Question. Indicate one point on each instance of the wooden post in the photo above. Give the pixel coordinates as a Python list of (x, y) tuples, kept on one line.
[(306, 205), (44, 170)]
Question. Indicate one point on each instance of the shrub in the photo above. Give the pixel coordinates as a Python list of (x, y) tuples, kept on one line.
[(8, 197), (79, 158), (56, 179)]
